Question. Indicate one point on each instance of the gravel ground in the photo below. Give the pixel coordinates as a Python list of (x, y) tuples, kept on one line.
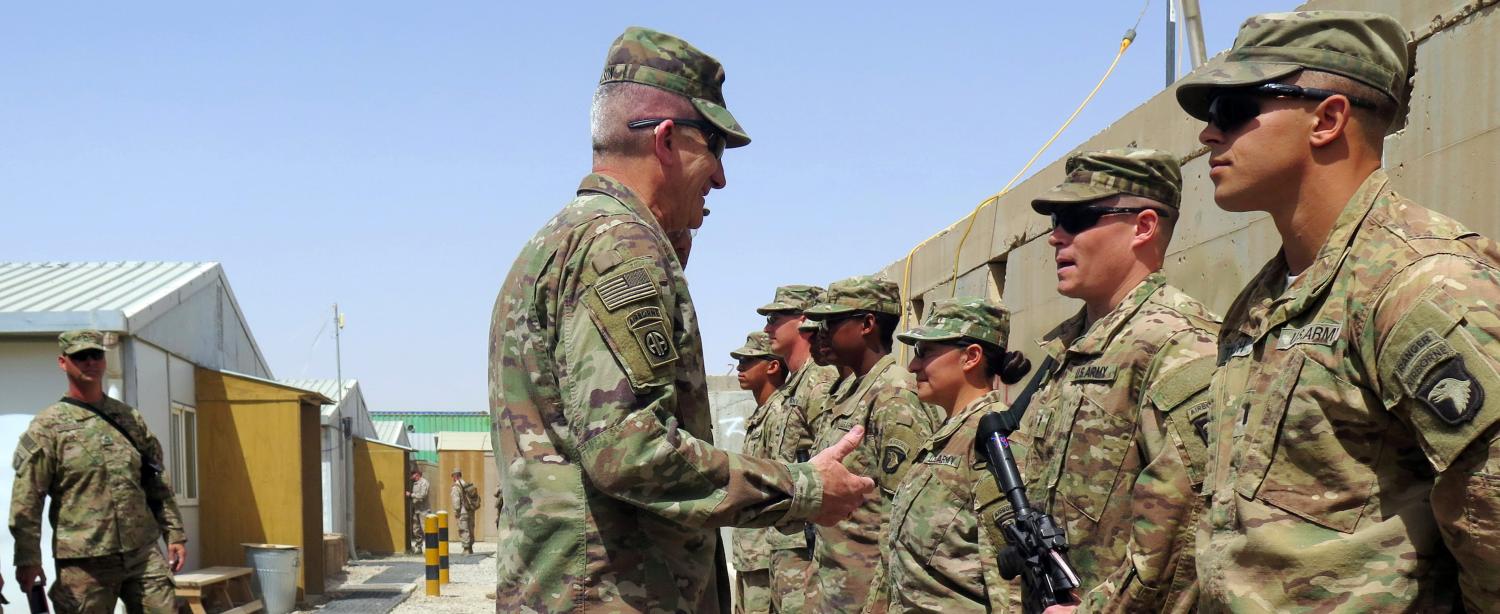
[(470, 577)]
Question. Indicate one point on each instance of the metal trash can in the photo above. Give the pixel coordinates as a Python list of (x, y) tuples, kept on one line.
[(275, 577)]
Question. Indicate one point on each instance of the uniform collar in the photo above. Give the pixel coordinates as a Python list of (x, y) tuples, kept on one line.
[(1277, 304), (875, 373), (614, 188), (1070, 336), (993, 400)]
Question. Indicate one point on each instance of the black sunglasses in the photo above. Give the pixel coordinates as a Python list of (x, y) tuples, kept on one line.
[(927, 349), (712, 136), (1078, 219), (86, 355), (831, 322), (1233, 108)]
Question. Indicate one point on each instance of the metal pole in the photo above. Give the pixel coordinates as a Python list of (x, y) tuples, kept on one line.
[(1171, 42), (442, 518), (430, 554), (346, 445), (1192, 19)]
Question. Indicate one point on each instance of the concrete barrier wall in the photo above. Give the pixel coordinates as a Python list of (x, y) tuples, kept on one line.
[(1447, 158)]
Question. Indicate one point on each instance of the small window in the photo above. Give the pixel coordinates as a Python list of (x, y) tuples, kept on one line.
[(183, 463)]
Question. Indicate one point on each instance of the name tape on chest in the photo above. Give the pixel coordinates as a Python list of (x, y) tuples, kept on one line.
[(624, 288), (949, 460), (1094, 373), (1321, 333)]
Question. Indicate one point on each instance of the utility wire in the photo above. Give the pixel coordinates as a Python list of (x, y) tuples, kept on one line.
[(1125, 42)]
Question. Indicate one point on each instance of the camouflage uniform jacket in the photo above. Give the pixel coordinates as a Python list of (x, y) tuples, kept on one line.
[(603, 429), (1353, 462), (419, 490), (1113, 446), (807, 389), (942, 543), (775, 431), (884, 400), (93, 474)]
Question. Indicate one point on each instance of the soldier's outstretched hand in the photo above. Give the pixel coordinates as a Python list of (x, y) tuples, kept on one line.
[(842, 491)]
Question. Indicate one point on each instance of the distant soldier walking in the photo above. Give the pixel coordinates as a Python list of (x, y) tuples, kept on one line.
[(420, 508), (465, 496), (87, 452)]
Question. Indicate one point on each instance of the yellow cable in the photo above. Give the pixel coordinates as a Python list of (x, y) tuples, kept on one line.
[(958, 251)]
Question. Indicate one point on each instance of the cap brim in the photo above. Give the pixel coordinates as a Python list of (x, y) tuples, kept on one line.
[(743, 353), (1196, 90), (808, 325), (926, 333), (824, 310), (79, 347), (1070, 194), (734, 135), (771, 308)]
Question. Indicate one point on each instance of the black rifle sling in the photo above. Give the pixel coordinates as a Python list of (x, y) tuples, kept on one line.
[(1017, 409), (147, 463)]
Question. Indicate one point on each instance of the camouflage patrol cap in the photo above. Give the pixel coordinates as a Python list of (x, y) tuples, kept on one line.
[(795, 298), (862, 293), (648, 57), (75, 341), (970, 317), (1371, 48), (1092, 175), (757, 345)]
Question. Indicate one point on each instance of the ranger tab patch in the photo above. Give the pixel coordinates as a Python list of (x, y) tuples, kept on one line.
[(1452, 393), (649, 328)]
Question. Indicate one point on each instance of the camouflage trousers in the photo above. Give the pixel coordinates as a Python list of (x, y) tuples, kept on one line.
[(418, 536), (465, 524), (789, 571), (754, 592), (140, 579)]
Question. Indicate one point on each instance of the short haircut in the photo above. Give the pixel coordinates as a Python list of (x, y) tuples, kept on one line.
[(1373, 123), (619, 102), (887, 322)]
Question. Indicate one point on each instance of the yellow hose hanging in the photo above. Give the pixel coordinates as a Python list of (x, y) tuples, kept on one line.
[(969, 224)]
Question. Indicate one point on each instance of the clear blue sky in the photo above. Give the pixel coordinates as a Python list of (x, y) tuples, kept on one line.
[(393, 156)]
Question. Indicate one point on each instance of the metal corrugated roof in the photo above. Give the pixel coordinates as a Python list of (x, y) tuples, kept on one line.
[(451, 440), (55, 296), (434, 422), (325, 387), (393, 433)]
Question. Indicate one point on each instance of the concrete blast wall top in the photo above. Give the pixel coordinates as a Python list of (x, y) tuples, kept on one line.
[(1446, 158)]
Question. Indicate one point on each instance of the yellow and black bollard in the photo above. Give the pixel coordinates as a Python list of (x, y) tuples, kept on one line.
[(442, 518), (430, 552)]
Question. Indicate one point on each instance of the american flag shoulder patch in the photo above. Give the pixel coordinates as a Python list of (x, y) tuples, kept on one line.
[(624, 288)]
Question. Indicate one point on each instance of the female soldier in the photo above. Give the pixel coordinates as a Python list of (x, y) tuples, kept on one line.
[(941, 545)]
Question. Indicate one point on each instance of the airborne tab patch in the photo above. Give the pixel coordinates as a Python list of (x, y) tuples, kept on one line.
[(1321, 333), (1094, 373), (651, 333), (624, 288)]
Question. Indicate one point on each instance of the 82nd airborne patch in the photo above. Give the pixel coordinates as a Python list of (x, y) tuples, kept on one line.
[(649, 328)]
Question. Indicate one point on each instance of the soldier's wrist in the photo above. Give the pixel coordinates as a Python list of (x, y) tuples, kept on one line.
[(807, 491)]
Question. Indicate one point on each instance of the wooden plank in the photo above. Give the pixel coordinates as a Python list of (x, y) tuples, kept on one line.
[(253, 606)]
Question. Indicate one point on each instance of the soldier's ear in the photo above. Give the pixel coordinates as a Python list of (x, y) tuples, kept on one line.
[(662, 145)]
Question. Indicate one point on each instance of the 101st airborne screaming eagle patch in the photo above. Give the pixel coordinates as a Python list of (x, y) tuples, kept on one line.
[(1439, 380)]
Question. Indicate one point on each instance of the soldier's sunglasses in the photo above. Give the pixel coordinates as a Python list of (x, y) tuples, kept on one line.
[(712, 136), (828, 324), (1078, 219), (928, 349), (86, 355), (1231, 109)]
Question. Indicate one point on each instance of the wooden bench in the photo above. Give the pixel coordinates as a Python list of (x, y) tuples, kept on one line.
[(226, 589)]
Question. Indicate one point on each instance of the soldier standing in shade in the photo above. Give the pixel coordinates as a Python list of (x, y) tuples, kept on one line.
[(597, 389), (1112, 444), (859, 316), (104, 527), (465, 497), (1354, 461), (772, 431), (808, 381), (942, 544), (420, 508)]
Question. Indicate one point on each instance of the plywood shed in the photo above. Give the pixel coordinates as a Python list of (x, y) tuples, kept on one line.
[(260, 442), (380, 483)]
